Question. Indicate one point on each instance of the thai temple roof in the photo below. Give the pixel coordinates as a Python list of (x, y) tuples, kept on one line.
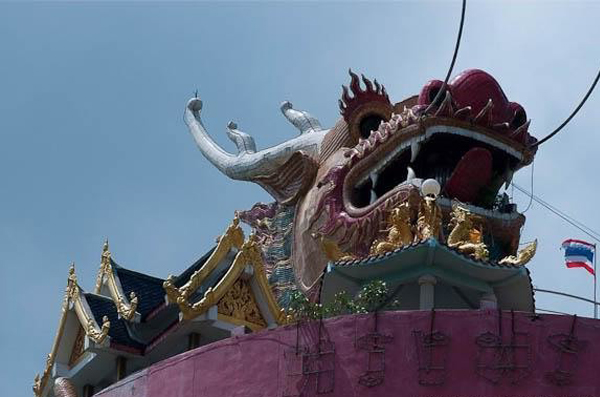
[(120, 339)]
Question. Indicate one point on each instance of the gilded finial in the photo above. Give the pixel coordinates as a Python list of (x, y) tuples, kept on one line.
[(72, 276), (523, 256)]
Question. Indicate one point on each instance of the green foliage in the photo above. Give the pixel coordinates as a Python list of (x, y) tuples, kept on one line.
[(300, 308), (372, 297), (342, 304)]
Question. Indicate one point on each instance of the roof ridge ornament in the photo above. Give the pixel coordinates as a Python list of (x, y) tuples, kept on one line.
[(126, 306), (92, 329), (247, 253)]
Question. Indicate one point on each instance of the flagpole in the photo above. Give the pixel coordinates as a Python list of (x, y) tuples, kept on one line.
[(595, 301)]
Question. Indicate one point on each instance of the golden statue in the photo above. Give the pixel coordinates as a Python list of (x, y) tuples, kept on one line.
[(333, 251), (399, 231), (429, 222), (523, 256), (465, 236)]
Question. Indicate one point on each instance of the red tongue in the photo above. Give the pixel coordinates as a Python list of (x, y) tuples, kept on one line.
[(473, 172)]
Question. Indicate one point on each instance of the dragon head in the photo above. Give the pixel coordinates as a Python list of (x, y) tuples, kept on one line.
[(343, 182)]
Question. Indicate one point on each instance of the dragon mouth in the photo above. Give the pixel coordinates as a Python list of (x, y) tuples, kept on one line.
[(470, 165)]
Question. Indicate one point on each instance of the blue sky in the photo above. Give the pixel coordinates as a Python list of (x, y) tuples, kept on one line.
[(93, 144)]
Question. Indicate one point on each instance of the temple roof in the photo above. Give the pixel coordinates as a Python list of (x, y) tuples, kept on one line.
[(149, 289), (119, 336), (187, 273)]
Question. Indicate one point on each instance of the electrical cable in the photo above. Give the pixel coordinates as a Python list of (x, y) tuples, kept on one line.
[(560, 127), (456, 47), (582, 227), (570, 219), (531, 194)]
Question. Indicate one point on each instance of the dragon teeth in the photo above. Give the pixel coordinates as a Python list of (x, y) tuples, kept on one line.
[(508, 178), (415, 148)]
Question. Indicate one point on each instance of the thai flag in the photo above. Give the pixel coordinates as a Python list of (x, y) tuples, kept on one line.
[(579, 253)]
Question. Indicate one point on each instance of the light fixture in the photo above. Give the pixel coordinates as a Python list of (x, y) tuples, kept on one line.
[(430, 187)]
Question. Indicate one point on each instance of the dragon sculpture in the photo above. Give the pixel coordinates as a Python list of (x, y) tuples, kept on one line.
[(465, 236), (345, 184), (400, 232)]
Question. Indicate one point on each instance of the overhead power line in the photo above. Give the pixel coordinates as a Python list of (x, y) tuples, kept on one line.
[(569, 219), (456, 47), (560, 127)]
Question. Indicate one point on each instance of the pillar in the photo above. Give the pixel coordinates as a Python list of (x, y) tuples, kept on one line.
[(427, 285), (488, 301), (121, 367), (193, 340), (88, 390)]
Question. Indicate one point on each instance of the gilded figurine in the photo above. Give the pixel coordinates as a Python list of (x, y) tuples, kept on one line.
[(399, 231), (465, 236), (333, 251), (429, 223)]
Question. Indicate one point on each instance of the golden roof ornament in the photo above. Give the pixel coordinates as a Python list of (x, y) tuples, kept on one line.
[(523, 256)]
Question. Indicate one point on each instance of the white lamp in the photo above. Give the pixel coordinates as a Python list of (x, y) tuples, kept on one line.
[(430, 187)]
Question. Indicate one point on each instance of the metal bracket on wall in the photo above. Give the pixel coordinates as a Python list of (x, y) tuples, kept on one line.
[(497, 359), (374, 344), (310, 369), (567, 347), (431, 354)]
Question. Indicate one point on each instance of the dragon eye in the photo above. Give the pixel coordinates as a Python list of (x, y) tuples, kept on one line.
[(364, 108)]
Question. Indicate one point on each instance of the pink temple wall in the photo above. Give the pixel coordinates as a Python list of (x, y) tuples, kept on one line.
[(468, 364)]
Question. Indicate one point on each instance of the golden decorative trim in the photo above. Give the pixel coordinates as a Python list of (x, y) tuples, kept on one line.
[(249, 253), (522, 257), (233, 238), (78, 347), (86, 319), (239, 303), (246, 255), (237, 321), (106, 275)]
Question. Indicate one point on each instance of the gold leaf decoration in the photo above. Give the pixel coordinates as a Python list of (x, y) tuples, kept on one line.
[(239, 302)]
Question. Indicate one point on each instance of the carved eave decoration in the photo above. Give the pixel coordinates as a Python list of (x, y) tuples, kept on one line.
[(73, 300), (126, 306), (232, 294)]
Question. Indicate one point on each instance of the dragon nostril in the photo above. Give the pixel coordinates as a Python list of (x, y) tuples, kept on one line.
[(432, 95)]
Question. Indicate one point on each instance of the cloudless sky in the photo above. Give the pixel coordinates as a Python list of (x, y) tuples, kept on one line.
[(93, 145)]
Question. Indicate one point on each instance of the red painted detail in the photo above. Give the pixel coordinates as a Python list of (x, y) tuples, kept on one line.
[(158, 309), (475, 88), (175, 325), (472, 173), (125, 348), (580, 264), (572, 240), (558, 348), (373, 92)]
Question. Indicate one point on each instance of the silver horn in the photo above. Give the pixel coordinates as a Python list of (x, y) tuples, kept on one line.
[(249, 164)]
